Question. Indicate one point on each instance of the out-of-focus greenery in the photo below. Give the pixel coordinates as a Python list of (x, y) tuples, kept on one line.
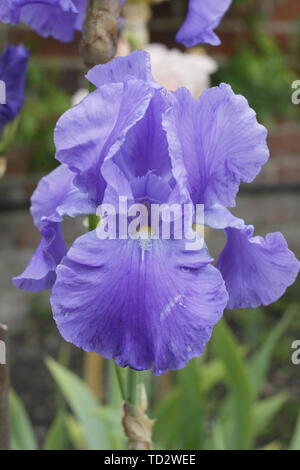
[(261, 73), (223, 400), (225, 393), (260, 69), (45, 102)]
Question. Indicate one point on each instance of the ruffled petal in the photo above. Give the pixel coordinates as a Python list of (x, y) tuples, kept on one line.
[(220, 142), (202, 18), (48, 20), (16, 6), (40, 272), (56, 18), (95, 129), (146, 147), (145, 303), (219, 217), (135, 65), (54, 197), (256, 270), (50, 194)]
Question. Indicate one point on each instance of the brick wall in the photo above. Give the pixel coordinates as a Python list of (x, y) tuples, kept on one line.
[(281, 19)]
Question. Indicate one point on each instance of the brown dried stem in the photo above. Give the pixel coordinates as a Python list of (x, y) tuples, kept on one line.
[(100, 31), (136, 424)]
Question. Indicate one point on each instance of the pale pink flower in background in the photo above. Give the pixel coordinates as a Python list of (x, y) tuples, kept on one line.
[(79, 95), (174, 69)]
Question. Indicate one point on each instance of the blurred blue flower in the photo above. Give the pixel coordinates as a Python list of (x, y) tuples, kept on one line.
[(202, 18), (56, 18), (152, 303), (61, 18), (13, 67)]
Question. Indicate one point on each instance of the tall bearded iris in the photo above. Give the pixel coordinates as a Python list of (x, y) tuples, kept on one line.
[(13, 67), (151, 302), (61, 18)]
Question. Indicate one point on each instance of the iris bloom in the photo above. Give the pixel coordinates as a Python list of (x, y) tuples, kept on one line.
[(56, 18), (13, 67), (152, 303), (202, 18), (61, 18)]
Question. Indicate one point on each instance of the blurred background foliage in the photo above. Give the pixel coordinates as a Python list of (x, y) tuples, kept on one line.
[(241, 394), (259, 69), (46, 100), (249, 70)]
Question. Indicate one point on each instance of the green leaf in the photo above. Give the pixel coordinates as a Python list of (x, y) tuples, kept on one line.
[(83, 404), (75, 433), (167, 431), (112, 418), (191, 404), (22, 436), (265, 410), (212, 373), (240, 406), (8, 135), (57, 437), (218, 437), (261, 360), (295, 443), (180, 413)]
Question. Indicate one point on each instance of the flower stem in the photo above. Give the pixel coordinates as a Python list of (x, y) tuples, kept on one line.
[(100, 32), (120, 381), (132, 383), (93, 222)]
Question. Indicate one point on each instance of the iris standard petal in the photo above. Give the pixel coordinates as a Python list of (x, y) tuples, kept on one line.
[(219, 141), (95, 129), (145, 303), (135, 65), (256, 270), (146, 147), (13, 69), (202, 18)]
